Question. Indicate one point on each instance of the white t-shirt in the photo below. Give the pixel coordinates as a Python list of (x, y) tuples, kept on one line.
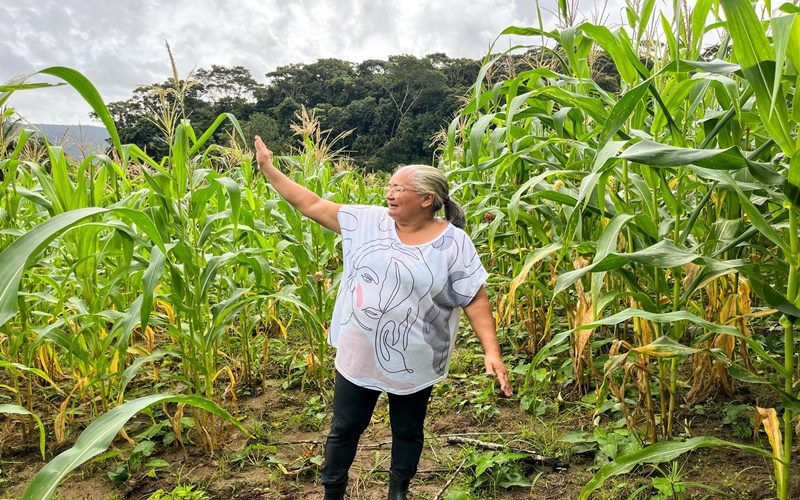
[(398, 307)]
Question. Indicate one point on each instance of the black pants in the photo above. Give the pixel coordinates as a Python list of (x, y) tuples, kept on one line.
[(352, 410)]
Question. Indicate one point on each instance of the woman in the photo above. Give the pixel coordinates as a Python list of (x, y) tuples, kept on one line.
[(407, 275)]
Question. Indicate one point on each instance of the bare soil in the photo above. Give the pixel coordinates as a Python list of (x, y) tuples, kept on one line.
[(281, 421)]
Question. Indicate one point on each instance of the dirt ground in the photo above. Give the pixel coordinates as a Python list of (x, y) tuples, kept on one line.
[(290, 470)]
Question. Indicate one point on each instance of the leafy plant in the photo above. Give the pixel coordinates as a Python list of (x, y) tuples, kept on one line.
[(146, 445), (657, 453), (653, 218), (672, 484), (256, 454), (484, 402), (138, 458), (180, 492), (99, 435), (606, 445), (314, 412), (739, 417), (492, 470), (18, 410)]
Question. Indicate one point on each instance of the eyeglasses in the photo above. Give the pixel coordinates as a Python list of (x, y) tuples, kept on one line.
[(397, 189)]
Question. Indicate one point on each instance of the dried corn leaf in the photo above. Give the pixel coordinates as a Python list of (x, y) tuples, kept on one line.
[(768, 417)]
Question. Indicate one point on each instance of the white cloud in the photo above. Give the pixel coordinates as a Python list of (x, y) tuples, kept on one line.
[(120, 45)]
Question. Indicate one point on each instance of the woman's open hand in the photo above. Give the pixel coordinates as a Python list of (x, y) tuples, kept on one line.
[(495, 367), (263, 156)]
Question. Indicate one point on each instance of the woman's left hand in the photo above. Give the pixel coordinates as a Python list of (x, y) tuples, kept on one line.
[(495, 367)]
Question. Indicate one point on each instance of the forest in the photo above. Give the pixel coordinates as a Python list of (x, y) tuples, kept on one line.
[(381, 113)]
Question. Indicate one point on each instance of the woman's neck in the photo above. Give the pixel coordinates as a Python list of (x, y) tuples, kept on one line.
[(415, 225)]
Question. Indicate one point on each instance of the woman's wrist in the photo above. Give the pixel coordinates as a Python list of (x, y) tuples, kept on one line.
[(492, 351)]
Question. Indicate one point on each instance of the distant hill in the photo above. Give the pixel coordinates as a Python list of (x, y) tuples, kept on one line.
[(77, 140)]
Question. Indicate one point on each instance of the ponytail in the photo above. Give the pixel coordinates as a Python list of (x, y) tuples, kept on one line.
[(454, 213)]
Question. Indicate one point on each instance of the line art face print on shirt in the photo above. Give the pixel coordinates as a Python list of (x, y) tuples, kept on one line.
[(396, 314), (384, 278)]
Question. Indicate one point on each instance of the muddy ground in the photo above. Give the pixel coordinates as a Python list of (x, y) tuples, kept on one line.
[(281, 460)]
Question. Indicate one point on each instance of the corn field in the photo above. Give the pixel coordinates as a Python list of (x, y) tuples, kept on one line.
[(643, 244)]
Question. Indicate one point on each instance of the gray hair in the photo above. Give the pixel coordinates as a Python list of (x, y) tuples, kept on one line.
[(430, 180)]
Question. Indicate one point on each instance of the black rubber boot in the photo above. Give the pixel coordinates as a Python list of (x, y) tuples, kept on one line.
[(398, 489), (335, 491)]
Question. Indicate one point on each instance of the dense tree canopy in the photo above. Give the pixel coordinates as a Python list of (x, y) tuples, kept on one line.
[(387, 112), (393, 108)]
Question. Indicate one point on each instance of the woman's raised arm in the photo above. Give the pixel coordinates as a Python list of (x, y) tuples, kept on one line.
[(307, 202)]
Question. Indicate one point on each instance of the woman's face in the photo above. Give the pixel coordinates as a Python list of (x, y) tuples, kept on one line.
[(402, 198)]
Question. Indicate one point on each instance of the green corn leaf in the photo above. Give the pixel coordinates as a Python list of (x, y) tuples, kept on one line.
[(789, 8), (661, 155), (608, 240), (213, 128), (663, 254), (36, 371), (623, 109), (22, 139), (568, 36), (476, 136), (740, 373), (224, 314), (794, 45), (606, 156), (210, 271), (482, 98), (646, 12), (150, 280), (98, 437), (451, 138), (90, 95), (699, 15), (655, 154), (46, 182), (672, 42), (763, 226), (15, 258), (24, 250), (605, 245), (513, 107), (19, 410), (234, 196), (136, 153), (768, 294), (287, 295), (55, 333), (123, 328), (514, 202), (613, 46), (781, 34), (716, 66), (131, 371), (659, 453), (526, 31), (757, 59), (143, 222), (62, 185), (13, 87), (36, 198)]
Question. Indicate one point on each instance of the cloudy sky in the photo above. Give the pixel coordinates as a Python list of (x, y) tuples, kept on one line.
[(119, 45)]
